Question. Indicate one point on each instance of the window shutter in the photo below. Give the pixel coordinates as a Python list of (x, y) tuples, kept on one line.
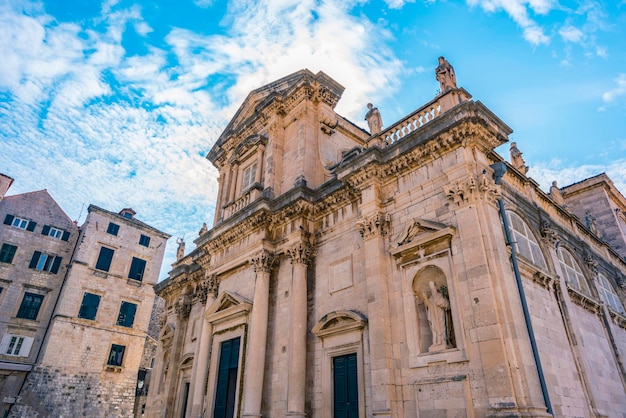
[(11, 253), (26, 346), (66, 236), (31, 226), (45, 230), (9, 219), (4, 345), (34, 260), (129, 318), (56, 264)]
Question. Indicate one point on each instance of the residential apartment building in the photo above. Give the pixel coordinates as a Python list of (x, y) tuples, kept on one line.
[(37, 240), (75, 308), (402, 272)]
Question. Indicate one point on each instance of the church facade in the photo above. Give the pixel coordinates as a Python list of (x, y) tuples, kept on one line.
[(407, 271)]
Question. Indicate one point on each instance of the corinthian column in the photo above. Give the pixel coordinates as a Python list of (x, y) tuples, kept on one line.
[(255, 361), (300, 255), (208, 293)]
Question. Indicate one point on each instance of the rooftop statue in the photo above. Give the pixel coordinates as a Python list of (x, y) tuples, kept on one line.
[(374, 120), (445, 75)]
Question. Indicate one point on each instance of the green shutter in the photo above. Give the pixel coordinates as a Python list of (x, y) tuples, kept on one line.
[(34, 260), (345, 387), (8, 220), (56, 264), (31, 226), (227, 379), (45, 230), (66, 236), (104, 259)]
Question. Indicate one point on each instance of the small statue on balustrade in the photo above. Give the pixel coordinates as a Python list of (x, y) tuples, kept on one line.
[(374, 120), (180, 251), (517, 160), (445, 75)]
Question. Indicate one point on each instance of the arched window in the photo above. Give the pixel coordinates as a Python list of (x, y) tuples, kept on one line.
[(571, 270), (608, 295), (525, 241)]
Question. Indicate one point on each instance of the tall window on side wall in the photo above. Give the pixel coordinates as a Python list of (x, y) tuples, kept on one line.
[(572, 271), (608, 295), (525, 241), (116, 355), (137, 269), (227, 379), (104, 259)]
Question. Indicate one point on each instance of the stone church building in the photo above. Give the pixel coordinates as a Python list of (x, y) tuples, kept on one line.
[(409, 271)]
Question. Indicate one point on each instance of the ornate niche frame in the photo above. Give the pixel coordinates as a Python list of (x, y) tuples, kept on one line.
[(340, 332), (229, 315), (421, 246)]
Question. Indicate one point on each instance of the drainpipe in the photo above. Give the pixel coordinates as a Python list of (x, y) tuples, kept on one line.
[(499, 170)]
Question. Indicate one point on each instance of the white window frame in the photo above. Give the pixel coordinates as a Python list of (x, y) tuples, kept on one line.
[(55, 233), (20, 223), (248, 175), (608, 295), (572, 271), (525, 242), (45, 262), (16, 345)]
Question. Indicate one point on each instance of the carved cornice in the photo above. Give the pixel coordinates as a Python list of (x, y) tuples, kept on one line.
[(263, 261), (375, 225), (237, 232), (591, 262), (336, 200), (543, 280), (618, 319), (301, 253), (365, 174), (585, 301)]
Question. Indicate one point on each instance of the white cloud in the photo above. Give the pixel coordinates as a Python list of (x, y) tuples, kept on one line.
[(518, 10), (547, 172), (571, 34), (620, 90)]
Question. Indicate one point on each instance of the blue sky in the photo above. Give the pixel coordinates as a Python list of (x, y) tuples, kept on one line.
[(116, 103)]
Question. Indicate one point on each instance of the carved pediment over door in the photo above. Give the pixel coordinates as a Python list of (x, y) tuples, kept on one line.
[(226, 306)]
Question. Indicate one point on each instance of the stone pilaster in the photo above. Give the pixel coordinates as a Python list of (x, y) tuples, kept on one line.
[(209, 289), (301, 255), (182, 307), (373, 228), (263, 263)]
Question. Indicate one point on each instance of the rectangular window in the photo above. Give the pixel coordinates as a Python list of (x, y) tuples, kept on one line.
[(7, 252), (113, 229), (249, 173), (45, 262), (29, 309), (227, 379), (137, 268), (127, 314), (16, 345), (89, 306), (116, 355), (55, 232), (20, 223), (144, 240), (104, 259)]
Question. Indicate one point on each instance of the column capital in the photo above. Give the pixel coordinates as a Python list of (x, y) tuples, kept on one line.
[(301, 253), (182, 307), (263, 261), (374, 225), (209, 286)]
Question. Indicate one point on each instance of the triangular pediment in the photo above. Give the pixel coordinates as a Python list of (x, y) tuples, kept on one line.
[(280, 89), (339, 322), (226, 305)]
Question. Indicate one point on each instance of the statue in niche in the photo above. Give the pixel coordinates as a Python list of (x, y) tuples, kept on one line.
[(517, 160), (445, 75), (439, 319), (374, 120), (180, 251)]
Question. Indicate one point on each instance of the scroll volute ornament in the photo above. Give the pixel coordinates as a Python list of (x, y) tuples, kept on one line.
[(374, 225)]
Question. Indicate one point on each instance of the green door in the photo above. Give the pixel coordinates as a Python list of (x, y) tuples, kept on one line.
[(227, 379), (345, 387)]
